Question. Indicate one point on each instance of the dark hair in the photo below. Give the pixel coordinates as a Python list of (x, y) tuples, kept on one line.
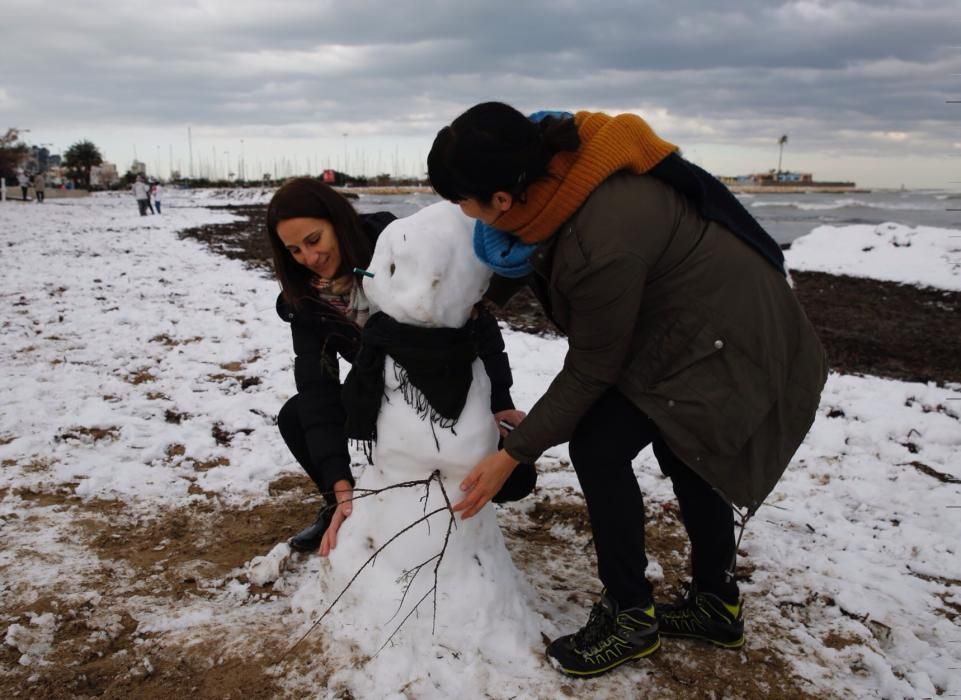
[(494, 148), (305, 197)]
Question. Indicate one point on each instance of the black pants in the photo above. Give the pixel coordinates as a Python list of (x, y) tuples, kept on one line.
[(40, 195), (23, 192), (519, 484), (608, 437), (142, 206)]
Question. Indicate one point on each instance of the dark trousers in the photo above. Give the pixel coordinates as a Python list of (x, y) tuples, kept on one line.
[(294, 434), (157, 204), (142, 206), (23, 192), (518, 485), (608, 437), (40, 195)]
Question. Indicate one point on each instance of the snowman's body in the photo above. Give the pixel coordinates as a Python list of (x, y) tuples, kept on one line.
[(425, 274)]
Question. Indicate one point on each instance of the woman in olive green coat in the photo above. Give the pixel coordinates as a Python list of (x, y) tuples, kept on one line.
[(683, 333)]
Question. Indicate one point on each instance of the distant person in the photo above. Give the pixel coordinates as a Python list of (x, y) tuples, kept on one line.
[(149, 200), (141, 194), (155, 195), (24, 183), (39, 187)]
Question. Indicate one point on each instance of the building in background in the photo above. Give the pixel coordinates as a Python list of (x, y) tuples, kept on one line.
[(104, 175)]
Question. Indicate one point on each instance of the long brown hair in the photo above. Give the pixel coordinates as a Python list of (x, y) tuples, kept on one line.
[(306, 197)]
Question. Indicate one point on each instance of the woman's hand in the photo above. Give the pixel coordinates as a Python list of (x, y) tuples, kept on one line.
[(344, 493), (484, 481), (512, 416)]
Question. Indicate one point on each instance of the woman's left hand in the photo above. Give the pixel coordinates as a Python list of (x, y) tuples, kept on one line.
[(484, 481)]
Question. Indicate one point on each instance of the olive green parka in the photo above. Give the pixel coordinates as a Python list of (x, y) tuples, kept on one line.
[(690, 323)]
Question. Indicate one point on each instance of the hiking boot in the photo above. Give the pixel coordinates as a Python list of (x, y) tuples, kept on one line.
[(703, 616), (610, 638), (308, 539)]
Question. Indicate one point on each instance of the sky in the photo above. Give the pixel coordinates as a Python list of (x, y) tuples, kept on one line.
[(861, 89)]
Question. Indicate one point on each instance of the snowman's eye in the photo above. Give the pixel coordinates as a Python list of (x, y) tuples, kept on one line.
[(392, 268)]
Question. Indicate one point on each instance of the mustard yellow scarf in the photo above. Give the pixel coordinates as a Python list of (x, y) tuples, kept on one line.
[(608, 144)]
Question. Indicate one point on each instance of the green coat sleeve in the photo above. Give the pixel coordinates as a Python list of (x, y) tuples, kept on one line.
[(604, 297)]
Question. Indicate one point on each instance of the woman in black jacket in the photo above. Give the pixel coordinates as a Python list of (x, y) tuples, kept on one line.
[(317, 240)]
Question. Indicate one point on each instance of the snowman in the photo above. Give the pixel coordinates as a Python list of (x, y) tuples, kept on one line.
[(409, 577)]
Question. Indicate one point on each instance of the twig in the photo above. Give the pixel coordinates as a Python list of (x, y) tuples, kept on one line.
[(424, 518), (433, 589)]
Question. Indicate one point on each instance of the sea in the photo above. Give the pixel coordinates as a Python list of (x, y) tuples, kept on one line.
[(784, 216)]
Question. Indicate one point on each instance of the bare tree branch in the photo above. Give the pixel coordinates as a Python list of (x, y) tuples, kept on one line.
[(451, 523), (407, 574)]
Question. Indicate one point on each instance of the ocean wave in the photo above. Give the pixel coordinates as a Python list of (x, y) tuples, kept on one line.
[(842, 204)]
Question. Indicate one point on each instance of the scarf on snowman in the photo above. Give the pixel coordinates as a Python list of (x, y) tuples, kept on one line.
[(434, 367)]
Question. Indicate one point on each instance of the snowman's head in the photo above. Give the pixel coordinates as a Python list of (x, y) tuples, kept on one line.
[(425, 271)]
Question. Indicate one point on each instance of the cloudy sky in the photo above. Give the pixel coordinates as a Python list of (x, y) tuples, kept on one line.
[(861, 88)]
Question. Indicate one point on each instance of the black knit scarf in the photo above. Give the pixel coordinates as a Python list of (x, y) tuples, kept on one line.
[(434, 371)]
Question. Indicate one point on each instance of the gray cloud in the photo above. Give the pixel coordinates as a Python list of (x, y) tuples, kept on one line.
[(850, 76)]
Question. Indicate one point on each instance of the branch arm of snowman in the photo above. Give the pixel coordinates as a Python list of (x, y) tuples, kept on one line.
[(408, 575), (347, 494)]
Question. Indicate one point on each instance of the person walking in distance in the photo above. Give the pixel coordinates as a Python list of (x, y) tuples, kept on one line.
[(155, 192), (141, 194), (39, 187)]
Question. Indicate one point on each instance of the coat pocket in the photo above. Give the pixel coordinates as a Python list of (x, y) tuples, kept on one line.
[(714, 395)]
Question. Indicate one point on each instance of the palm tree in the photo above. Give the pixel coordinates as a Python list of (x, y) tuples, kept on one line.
[(781, 141), (80, 158)]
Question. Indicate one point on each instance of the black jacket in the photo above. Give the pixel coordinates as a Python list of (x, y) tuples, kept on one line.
[(320, 335)]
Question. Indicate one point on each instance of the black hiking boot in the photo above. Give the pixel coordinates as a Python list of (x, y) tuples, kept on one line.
[(703, 616), (308, 539), (610, 638)]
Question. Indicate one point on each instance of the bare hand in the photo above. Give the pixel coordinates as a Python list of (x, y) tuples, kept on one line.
[(484, 481), (512, 416), (345, 505)]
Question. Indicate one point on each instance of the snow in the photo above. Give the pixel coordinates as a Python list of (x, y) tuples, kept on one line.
[(918, 255), (124, 355)]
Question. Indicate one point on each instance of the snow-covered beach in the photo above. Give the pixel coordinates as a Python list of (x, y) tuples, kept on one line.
[(144, 490)]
